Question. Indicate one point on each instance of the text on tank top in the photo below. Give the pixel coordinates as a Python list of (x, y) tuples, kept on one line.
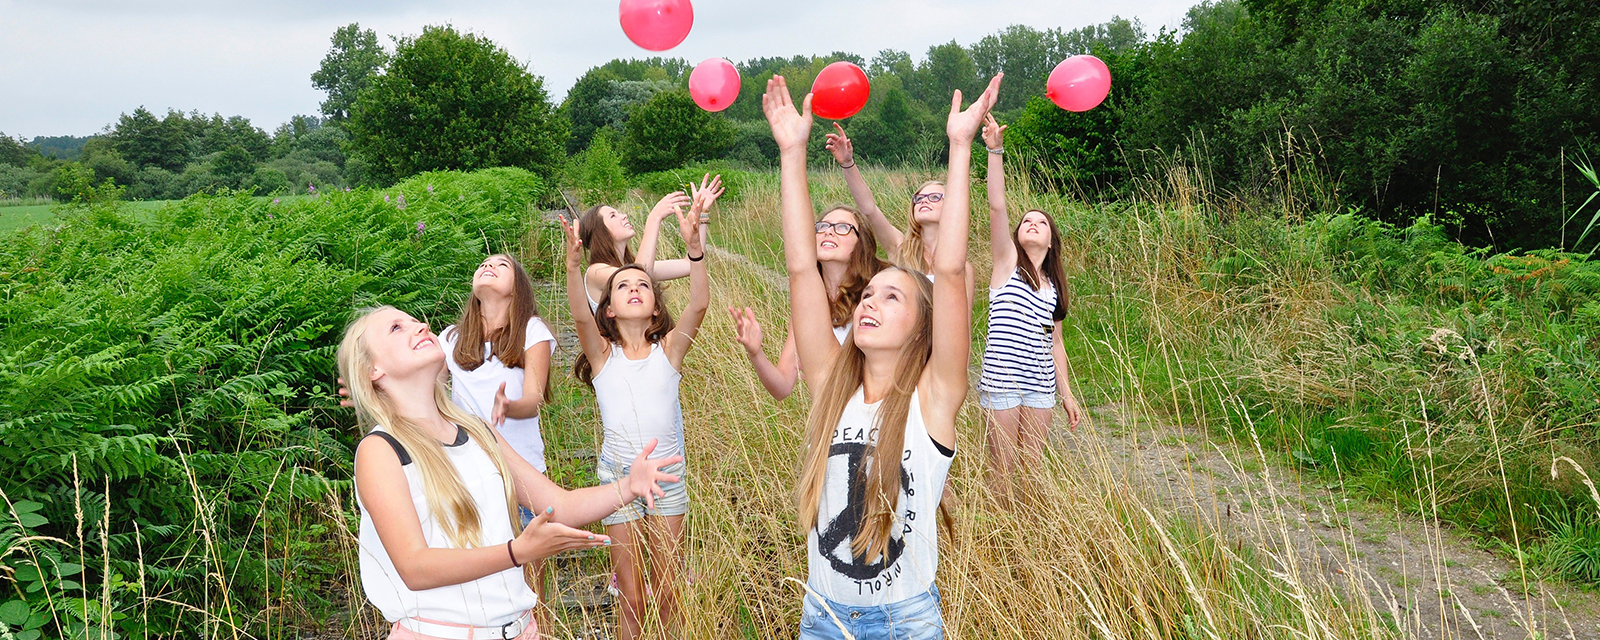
[(1017, 356), (492, 600), (909, 564), (638, 401)]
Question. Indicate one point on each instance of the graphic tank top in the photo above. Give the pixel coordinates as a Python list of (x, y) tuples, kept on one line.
[(908, 566)]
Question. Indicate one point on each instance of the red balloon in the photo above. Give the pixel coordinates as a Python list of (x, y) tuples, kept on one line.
[(657, 25), (714, 84), (1079, 83), (841, 90)]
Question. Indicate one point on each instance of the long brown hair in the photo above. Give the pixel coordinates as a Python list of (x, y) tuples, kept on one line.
[(598, 239), (660, 325), (446, 494), (505, 343), (864, 263), (1053, 270), (881, 477), (913, 252)]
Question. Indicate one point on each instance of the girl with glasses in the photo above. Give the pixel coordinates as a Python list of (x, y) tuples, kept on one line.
[(847, 257)]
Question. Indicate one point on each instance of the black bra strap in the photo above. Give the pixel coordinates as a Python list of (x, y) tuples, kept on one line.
[(399, 451)]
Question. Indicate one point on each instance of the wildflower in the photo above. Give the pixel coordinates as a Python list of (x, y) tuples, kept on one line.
[(401, 202), (311, 188), (275, 201), (430, 189), (269, 216), (420, 228), (385, 197), (347, 189)]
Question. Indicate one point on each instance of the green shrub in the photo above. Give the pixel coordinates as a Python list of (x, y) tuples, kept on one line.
[(166, 391)]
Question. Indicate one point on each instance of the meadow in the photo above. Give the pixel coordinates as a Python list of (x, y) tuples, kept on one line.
[(181, 465)]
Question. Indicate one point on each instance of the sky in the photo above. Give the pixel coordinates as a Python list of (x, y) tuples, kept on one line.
[(70, 67)]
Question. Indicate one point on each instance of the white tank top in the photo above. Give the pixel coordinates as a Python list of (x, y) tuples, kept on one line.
[(841, 333), (912, 559), (594, 305), (492, 600), (638, 401)]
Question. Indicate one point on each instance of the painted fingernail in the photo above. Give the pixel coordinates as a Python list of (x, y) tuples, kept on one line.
[(608, 542), (550, 509), (591, 537)]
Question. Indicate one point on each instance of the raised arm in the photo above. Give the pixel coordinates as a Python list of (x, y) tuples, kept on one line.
[(594, 345), (777, 378), (669, 204), (844, 152), (952, 314), (1005, 252), (677, 343), (808, 297)]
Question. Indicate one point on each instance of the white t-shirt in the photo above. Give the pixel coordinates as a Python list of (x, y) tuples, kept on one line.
[(908, 567), (492, 600), (474, 390)]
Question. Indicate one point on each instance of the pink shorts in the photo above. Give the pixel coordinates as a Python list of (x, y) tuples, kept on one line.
[(402, 633)]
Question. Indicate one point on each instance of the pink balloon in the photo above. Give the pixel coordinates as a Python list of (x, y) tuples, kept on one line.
[(657, 25), (1079, 83), (714, 84)]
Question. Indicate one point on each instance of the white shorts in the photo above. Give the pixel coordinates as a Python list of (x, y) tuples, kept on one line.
[(1004, 400), (675, 503)]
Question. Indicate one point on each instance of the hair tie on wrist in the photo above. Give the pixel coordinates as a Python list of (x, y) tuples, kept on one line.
[(698, 258), (998, 151), (852, 165), (513, 555)]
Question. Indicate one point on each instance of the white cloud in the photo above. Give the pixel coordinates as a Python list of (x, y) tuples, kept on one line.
[(72, 66)]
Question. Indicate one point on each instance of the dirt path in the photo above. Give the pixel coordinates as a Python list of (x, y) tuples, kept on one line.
[(1431, 580)]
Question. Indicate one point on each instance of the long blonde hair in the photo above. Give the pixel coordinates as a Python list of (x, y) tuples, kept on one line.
[(912, 247), (448, 498), (883, 474)]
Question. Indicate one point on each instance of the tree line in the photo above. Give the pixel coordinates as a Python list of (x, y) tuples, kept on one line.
[(1476, 114)]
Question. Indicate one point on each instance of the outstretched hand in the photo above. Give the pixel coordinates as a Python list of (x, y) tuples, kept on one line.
[(705, 194), (964, 124), (993, 132), (497, 417), (689, 229), (747, 332), (574, 242), (669, 204), (543, 538), (844, 151), (791, 128), (645, 477)]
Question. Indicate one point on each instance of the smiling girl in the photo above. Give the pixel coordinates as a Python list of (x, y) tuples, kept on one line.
[(881, 432), (442, 550), (847, 257), (606, 231), (1024, 362), (633, 353)]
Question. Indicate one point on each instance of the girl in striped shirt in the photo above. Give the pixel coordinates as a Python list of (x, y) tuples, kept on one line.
[(1024, 363)]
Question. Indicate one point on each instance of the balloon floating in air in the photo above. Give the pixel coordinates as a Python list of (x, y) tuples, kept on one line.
[(840, 91), (1079, 83), (657, 25), (714, 84)]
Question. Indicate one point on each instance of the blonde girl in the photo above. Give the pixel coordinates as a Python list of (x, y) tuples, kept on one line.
[(442, 550), (633, 352), (1024, 361), (895, 386)]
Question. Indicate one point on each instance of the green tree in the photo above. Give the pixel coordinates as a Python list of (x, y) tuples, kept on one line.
[(145, 140), (948, 67), (14, 152), (350, 64), (449, 100), (581, 107), (670, 131), (234, 165)]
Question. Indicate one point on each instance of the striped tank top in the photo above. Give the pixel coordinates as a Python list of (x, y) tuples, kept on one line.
[(1017, 357)]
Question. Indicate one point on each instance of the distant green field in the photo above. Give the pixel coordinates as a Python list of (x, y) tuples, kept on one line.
[(12, 218)]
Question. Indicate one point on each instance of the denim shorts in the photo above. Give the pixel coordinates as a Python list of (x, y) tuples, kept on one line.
[(675, 503), (915, 618), (1003, 400)]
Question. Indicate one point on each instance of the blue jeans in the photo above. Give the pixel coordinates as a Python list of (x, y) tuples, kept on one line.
[(915, 618)]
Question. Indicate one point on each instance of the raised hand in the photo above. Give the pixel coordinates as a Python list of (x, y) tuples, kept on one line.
[(689, 229), (497, 417), (543, 538), (705, 195), (963, 124), (574, 242), (747, 332), (844, 152), (791, 128), (669, 204), (645, 476), (993, 132)]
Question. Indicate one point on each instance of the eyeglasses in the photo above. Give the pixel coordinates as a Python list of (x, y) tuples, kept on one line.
[(839, 228), (926, 197)]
